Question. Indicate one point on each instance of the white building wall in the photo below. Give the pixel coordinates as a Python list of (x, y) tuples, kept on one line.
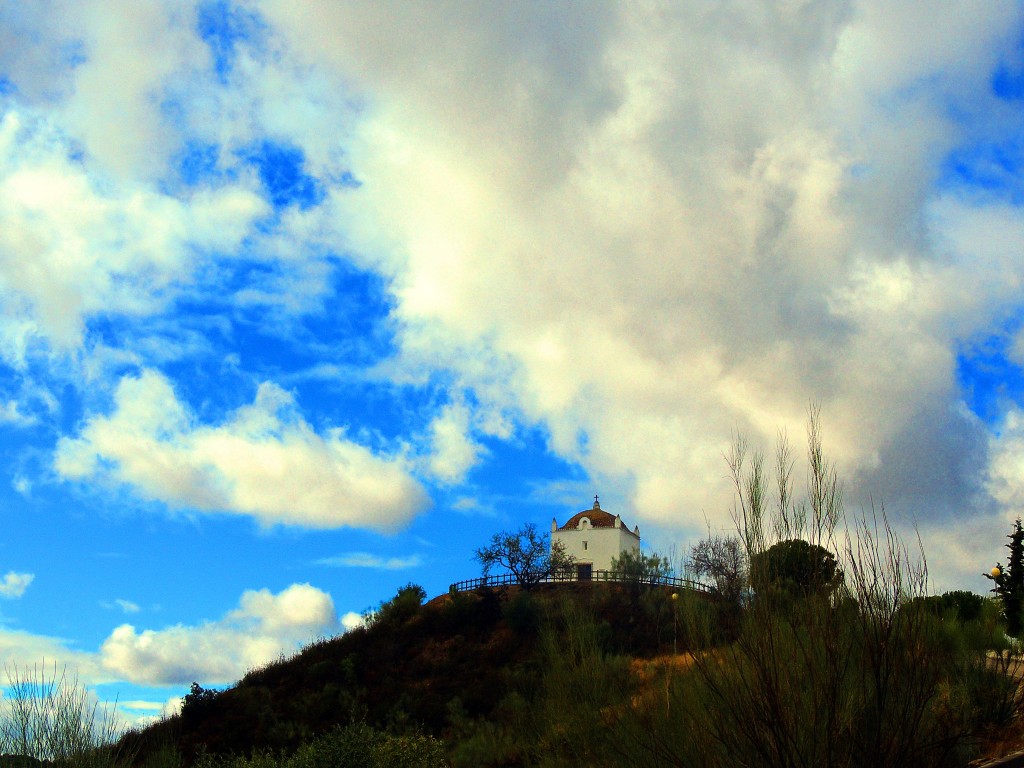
[(597, 546)]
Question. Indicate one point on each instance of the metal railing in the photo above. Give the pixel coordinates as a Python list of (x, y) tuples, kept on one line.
[(507, 579)]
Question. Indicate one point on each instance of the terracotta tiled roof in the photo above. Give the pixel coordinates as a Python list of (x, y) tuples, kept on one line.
[(598, 519)]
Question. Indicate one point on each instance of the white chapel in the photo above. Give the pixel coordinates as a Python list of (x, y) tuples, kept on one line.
[(593, 537)]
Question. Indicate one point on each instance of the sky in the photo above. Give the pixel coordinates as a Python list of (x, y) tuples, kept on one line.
[(303, 301)]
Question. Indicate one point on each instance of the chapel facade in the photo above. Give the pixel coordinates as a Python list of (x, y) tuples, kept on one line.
[(594, 538)]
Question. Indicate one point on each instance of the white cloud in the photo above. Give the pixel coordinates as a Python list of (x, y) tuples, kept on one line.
[(139, 713), (266, 461), (15, 584), (127, 606), (351, 620), (26, 651), (1006, 475), (74, 244), (468, 505), (640, 227), (367, 560), (10, 413), (263, 626), (453, 450), (645, 230)]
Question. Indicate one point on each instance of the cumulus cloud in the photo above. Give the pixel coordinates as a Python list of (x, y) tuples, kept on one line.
[(15, 584), (23, 651), (1006, 476), (263, 626), (646, 229), (266, 461), (639, 226)]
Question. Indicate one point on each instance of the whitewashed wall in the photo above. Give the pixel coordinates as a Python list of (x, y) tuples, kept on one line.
[(596, 545)]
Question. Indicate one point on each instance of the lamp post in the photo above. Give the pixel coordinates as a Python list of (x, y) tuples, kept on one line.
[(675, 632)]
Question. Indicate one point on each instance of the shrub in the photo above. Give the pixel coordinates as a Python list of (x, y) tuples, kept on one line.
[(522, 613), (197, 702), (51, 717), (959, 605), (352, 746), (640, 568), (845, 672), (796, 568), (402, 607)]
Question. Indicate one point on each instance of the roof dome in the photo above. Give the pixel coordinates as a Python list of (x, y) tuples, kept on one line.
[(597, 517)]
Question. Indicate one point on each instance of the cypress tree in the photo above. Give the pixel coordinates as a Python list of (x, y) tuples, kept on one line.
[(1009, 581)]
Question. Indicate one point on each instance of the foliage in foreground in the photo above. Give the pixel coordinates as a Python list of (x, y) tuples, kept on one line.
[(834, 665), (821, 647), (353, 746), (50, 717), (1009, 582), (840, 660)]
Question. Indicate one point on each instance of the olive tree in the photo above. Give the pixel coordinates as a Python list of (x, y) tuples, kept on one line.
[(723, 561), (526, 554), (640, 568)]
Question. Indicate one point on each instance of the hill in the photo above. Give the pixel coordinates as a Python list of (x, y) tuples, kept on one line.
[(441, 669), (584, 674)]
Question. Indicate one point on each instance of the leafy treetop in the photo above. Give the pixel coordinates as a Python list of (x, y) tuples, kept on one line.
[(526, 554), (1009, 582), (795, 567)]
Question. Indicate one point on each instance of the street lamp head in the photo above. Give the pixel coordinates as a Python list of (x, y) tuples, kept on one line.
[(996, 572), (675, 595)]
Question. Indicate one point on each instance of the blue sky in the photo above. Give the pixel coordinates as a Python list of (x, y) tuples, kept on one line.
[(300, 302)]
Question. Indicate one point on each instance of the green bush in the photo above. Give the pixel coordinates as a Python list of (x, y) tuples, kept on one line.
[(795, 568), (522, 613), (402, 607), (842, 671), (353, 746)]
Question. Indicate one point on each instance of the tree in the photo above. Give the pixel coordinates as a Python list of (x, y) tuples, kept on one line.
[(526, 555), (641, 568), (722, 560), (196, 703), (862, 678), (795, 567), (400, 608), (1009, 582)]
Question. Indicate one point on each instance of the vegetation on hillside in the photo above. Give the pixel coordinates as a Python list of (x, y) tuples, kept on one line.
[(47, 718), (1009, 582), (819, 645)]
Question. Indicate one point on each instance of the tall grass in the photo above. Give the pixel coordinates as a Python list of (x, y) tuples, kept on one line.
[(48, 715), (855, 673), (852, 669)]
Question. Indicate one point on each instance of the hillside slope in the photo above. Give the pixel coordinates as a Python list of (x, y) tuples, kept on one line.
[(428, 668)]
